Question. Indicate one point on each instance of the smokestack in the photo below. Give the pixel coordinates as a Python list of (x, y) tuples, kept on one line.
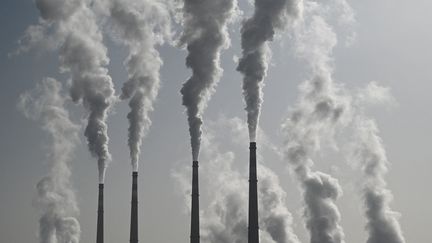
[(134, 209), (100, 219), (195, 234), (253, 196)]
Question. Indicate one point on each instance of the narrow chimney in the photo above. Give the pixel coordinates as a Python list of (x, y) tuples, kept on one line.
[(253, 228), (134, 209), (100, 218), (195, 235)]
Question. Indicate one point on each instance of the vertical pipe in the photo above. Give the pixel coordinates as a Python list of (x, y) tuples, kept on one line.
[(253, 229), (134, 209), (100, 218), (195, 235)]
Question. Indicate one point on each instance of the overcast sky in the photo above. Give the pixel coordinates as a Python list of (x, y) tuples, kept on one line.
[(392, 48)]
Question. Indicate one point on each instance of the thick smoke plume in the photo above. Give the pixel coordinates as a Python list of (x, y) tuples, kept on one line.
[(71, 26), (370, 155), (141, 26), (225, 217), (382, 224), (276, 219), (55, 196), (320, 110), (268, 18), (205, 35)]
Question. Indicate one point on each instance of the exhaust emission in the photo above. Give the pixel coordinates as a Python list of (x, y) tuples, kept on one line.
[(55, 197), (205, 38)]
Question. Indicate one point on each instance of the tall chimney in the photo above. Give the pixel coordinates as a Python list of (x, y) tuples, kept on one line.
[(100, 218), (134, 209), (195, 235), (253, 228)]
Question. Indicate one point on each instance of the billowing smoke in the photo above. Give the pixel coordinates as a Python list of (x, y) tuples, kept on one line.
[(55, 196), (320, 110), (205, 35), (370, 156), (382, 222), (256, 32), (141, 26), (71, 26), (225, 218), (275, 219)]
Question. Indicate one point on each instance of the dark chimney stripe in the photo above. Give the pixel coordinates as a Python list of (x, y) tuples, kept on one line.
[(253, 229), (195, 234), (100, 218), (134, 209)]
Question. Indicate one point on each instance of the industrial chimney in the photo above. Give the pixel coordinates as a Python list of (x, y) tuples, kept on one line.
[(195, 235), (253, 228), (100, 218), (134, 209)]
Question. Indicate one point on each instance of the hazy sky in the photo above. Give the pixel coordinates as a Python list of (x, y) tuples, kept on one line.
[(392, 48)]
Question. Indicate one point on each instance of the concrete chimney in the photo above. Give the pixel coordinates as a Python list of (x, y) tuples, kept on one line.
[(253, 236), (195, 235), (100, 218), (134, 209)]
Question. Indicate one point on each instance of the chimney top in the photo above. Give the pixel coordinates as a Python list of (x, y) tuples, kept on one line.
[(252, 145)]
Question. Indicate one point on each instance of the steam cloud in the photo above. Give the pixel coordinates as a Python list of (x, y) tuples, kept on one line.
[(141, 26), (382, 222), (320, 110), (55, 196), (205, 35), (369, 154), (71, 26), (225, 218), (256, 32)]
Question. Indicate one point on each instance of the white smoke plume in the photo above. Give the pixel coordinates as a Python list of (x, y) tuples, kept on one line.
[(268, 18), (370, 156), (141, 26), (55, 195), (322, 108), (382, 222), (275, 218), (71, 26), (205, 36), (225, 218)]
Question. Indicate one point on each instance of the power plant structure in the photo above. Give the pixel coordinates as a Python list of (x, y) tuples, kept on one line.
[(253, 229), (100, 216), (195, 225), (134, 209)]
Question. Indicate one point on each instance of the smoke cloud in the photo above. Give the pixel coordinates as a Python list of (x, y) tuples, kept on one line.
[(322, 107), (205, 36), (276, 219), (256, 32), (382, 222), (225, 217), (55, 196), (71, 27), (141, 26)]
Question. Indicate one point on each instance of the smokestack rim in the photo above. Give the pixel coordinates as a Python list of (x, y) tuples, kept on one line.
[(252, 145)]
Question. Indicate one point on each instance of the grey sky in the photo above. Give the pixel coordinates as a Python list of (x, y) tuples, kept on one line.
[(392, 48)]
